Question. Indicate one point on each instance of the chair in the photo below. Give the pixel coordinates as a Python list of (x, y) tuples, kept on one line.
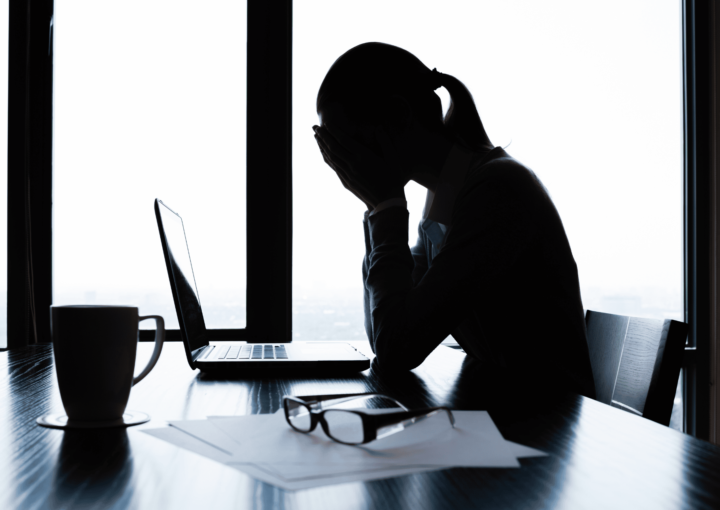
[(636, 362)]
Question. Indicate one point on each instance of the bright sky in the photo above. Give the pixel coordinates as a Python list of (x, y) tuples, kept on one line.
[(147, 106)]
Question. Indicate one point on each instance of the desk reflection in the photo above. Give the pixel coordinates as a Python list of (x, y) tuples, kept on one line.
[(93, 470)]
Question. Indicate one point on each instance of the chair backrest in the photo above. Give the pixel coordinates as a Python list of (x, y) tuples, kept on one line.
[(636, 362)]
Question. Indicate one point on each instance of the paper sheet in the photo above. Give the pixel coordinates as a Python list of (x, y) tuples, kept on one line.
[(206, 431), (261, 474), (518, 450), (266, 448), (474, 442), (524, 452), (188, 442), (265, 473), (209, 433)]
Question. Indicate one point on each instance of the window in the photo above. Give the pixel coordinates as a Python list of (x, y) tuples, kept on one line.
[(144, 107)]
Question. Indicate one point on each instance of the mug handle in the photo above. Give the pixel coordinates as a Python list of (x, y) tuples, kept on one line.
[(159, 339)]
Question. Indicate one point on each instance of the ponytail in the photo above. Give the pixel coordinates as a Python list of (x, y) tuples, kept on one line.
[(462, 119)]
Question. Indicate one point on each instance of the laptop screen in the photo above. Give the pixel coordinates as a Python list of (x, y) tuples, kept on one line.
[(179, 264)]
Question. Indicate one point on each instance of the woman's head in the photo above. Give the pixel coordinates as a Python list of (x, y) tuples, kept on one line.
[(379, 85)]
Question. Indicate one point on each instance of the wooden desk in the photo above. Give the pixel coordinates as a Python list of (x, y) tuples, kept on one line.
[(600, 457)]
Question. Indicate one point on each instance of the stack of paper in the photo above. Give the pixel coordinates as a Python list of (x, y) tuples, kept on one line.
[(265, 447)]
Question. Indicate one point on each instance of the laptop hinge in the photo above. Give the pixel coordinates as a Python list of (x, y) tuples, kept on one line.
[(199, 352)]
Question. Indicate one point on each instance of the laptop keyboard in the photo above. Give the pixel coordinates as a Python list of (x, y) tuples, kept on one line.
[(255, 352)]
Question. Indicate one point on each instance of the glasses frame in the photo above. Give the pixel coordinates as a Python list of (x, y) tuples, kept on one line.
[(371, 423)]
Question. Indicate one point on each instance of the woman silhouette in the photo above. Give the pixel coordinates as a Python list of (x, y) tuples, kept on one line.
[(492, 265)]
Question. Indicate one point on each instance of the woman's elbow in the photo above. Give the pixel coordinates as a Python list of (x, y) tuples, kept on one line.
[(396, 360)]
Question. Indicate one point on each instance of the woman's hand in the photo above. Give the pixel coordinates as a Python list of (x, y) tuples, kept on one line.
[(370, 177)]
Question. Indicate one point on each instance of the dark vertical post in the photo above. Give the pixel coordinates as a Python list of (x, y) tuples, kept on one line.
[(697, 106), (269, 171), (29, 172), (17, 298)]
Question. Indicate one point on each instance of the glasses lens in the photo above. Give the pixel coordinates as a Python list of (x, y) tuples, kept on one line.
[(298, 416), (344, 426)]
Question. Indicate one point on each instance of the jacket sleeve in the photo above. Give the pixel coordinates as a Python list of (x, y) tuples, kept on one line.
[(420, 257), (366, 292), (420, 265), (492, 223)]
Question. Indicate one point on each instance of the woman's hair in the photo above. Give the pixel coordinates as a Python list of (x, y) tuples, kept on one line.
[(365, 79)]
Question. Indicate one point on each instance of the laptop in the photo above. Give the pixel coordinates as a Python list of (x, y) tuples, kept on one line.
[(239, 358)]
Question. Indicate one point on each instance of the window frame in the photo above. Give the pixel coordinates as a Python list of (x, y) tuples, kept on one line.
[(697, 100), (29, 229)]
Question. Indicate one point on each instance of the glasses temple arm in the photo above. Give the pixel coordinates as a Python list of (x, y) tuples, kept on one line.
[(315, 399), (385, 420)]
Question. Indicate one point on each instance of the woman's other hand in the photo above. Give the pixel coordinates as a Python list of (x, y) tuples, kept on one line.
[(371, 177)]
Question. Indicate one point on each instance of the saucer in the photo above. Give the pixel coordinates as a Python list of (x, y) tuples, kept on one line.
[(60, 421)]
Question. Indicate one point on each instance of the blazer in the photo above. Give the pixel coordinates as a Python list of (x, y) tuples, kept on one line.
[(501, 278)]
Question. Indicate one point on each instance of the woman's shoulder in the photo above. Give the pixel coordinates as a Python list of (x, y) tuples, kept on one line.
[(501, 172)]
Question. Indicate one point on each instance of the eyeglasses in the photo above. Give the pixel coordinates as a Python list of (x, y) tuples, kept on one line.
[(352, 427)]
